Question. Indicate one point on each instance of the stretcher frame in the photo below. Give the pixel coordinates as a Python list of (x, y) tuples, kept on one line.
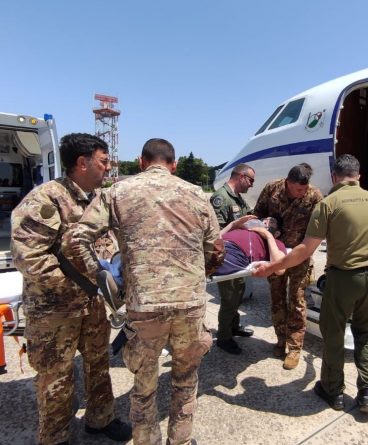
[(240, 274)]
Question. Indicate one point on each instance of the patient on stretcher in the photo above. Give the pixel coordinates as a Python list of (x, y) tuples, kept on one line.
[(245, 243), (254, 240)]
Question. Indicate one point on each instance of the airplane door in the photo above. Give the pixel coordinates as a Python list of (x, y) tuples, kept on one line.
[(352, 129)]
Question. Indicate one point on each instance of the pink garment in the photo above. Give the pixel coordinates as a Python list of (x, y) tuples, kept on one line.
[(252, 244)]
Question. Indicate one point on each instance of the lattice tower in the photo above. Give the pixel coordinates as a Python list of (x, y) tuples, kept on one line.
[(106, 128)]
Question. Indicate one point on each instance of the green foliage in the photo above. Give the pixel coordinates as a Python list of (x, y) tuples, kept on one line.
[(194, 170), (189, 168), (128, 167)]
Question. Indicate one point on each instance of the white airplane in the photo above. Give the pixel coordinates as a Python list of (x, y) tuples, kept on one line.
[(314, 127)]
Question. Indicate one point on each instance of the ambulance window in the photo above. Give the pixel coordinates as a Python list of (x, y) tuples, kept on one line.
[(51, 161), (289, 114), (10, 175), (51, 158), (269, 120)]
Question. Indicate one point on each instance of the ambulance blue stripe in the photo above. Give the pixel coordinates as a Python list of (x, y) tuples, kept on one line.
[(298, 148)]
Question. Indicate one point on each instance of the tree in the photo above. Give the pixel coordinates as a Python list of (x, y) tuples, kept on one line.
[(128, 167), (189, 168), (193, 170)]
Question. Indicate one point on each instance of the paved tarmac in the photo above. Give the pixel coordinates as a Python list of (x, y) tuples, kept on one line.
[(246, 399)]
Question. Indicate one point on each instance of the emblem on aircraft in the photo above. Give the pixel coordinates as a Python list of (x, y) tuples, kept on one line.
[(315, 121)]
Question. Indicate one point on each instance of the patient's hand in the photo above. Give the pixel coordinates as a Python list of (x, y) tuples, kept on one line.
[(239, 223), (262, 231), (262, 269)]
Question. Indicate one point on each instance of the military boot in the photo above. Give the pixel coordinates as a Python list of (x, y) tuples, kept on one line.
[(362, 400), (292, 359)]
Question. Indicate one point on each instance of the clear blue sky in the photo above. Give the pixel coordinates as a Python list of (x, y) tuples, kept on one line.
[(204, 74)]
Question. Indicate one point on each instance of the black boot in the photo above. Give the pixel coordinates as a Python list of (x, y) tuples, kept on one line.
[(115, 430)]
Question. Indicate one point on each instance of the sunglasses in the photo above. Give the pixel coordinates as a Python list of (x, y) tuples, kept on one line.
[(251, 180)]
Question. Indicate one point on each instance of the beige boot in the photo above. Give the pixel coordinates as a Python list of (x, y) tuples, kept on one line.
[(292, 359)]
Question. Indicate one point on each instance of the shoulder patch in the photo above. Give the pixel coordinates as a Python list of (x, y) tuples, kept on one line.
[(47, 211), (217, 201)]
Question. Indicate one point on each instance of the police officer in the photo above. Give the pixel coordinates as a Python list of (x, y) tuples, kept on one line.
[(229, 205), (341, 218), (60, 316)]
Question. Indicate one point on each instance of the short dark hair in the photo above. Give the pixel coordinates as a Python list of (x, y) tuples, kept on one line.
[(346, 165), (74, 145), (240, 168), (300, 174), (158, 150)]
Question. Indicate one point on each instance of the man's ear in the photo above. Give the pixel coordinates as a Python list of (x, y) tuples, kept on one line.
[(141, 163), (277, 234), (173, 167), (82, 163)]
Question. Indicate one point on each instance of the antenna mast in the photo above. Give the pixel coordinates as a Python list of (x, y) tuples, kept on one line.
[(106, 128)]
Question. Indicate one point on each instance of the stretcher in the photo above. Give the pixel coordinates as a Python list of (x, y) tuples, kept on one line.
[(11, 286), (113, 296), (316, 292), (247, 272)]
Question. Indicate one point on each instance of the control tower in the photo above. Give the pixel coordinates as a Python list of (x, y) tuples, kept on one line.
[(106, 128)]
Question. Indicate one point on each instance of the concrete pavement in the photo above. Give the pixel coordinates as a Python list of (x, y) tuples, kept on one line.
[(246, 399)]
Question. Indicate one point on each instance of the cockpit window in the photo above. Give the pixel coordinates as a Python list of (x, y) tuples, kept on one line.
[(289, 114), (269, 120)]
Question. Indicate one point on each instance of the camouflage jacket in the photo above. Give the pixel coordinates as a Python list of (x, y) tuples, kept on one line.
[(228, 205), (38, 224), (292, 214), (167, 232)]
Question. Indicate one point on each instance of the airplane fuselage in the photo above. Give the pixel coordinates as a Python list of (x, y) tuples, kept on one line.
[(313, 127)]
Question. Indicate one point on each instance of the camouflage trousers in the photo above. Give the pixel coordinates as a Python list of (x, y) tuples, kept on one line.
[(288, 304), (188, 339), (51, 345)]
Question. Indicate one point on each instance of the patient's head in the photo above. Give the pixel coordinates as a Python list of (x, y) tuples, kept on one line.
[(271, 225)]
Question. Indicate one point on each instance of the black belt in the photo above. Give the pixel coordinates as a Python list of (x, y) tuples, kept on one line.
[(357, 269), (361, 269)]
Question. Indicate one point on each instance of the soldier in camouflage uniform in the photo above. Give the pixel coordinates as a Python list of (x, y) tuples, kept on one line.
[(341, 218), (167, 234), (230, 205), (60, 316), (291, 201)]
